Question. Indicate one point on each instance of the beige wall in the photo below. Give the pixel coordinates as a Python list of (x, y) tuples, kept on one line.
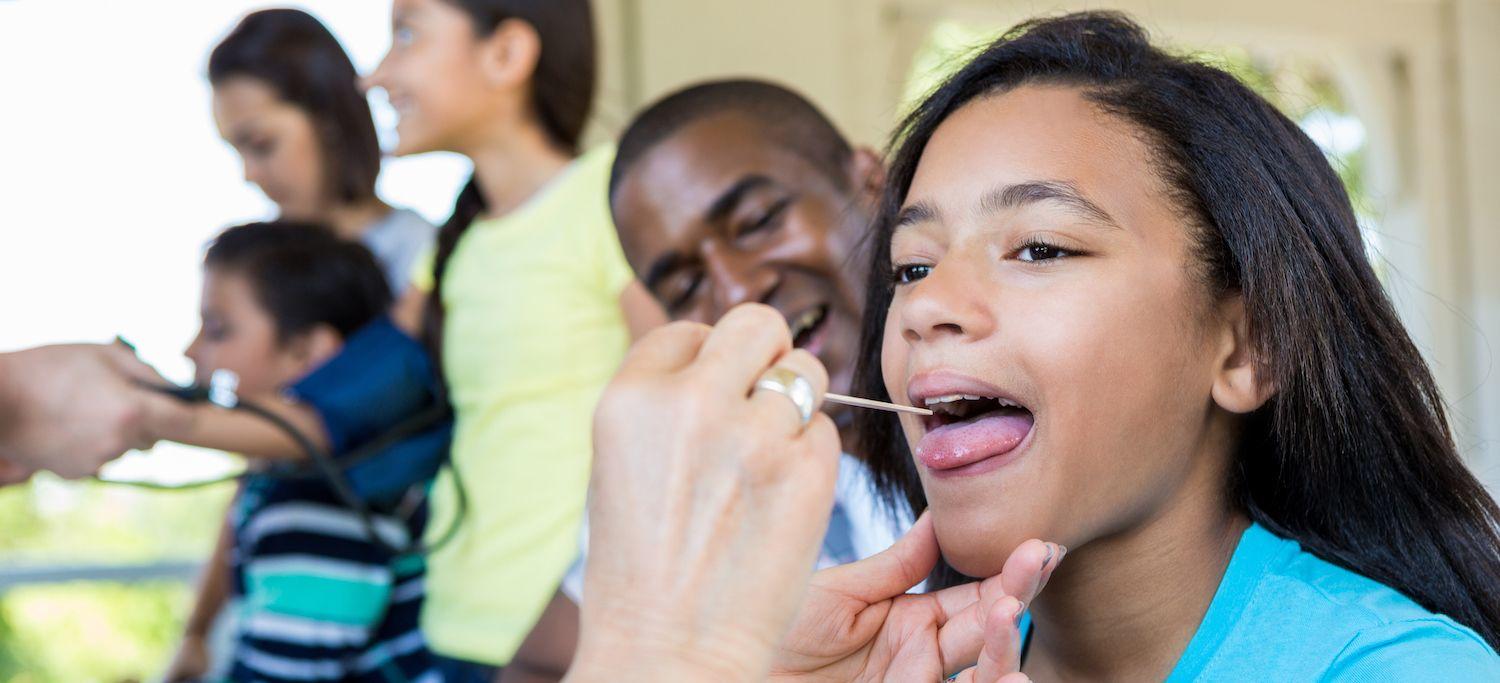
[(1476, 58), (1424, 75)]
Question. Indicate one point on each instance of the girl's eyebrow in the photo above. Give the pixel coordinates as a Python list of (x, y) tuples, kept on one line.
[(1037, 191), (912, 214), (1017, 195)]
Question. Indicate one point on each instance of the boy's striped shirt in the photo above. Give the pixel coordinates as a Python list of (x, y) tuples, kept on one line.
[(321, 601)]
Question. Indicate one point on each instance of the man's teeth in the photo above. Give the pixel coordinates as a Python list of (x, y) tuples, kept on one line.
[(805, 321)]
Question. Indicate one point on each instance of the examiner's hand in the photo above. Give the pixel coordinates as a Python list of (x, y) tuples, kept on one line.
[(708, 501), (72, 408)]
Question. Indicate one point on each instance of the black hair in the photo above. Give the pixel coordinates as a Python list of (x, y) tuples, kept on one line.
[(303, 275), (787, 118), (1352, 456), (299, 58), (562, 95)]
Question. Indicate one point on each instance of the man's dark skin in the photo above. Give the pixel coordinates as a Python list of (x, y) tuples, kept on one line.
[(719, 214)]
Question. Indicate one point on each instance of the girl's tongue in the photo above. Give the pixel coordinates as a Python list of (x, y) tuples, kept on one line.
[(984, 436)]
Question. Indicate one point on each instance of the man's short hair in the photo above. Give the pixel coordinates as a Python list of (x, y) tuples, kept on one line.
[(788, 118)]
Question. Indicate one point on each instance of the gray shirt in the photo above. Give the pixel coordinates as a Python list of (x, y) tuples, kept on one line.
[(397, 240)]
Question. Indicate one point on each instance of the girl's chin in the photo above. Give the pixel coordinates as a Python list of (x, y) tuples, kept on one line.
[(973, 551), (403, 149), (976, 565), (411, 140)]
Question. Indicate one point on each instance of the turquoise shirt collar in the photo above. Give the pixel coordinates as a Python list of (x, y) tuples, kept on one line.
[(1257, 549)]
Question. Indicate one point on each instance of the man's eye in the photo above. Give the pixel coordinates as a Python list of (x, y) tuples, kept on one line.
[(682, 291), (768, 220), (908, 274)]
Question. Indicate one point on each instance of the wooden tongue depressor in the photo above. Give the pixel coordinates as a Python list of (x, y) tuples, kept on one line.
[(877, 405)]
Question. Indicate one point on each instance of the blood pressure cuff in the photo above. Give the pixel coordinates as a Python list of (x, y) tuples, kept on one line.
[(382, 407)]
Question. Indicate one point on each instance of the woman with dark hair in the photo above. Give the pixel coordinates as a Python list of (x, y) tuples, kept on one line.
[(1135, 297), (529, 305), (287, 98)]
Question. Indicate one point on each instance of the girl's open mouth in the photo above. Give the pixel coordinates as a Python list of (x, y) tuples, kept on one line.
[(966, 429)]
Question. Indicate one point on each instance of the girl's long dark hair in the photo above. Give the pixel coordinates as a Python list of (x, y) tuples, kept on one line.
[(1352, 457), (562, 95)]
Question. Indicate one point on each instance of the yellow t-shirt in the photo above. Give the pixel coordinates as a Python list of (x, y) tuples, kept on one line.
[(532, 332)]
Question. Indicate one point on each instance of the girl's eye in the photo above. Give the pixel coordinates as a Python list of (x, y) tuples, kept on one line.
[(262, 148), (905, 275), (1041, 251), (402, 36)]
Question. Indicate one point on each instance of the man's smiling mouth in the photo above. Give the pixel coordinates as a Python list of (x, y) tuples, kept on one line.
[(807, 326)]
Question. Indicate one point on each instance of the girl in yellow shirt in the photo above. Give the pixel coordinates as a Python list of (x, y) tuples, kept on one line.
[(528, 301)]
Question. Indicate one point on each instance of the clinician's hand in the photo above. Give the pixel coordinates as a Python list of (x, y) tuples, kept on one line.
[(71, 408), (707, 504), (859, 624)]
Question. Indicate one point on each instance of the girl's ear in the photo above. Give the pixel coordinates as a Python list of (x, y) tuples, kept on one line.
[(1239, 386), (509, 54)]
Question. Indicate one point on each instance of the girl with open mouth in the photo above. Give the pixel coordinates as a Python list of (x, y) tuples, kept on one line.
[(1136, 298)]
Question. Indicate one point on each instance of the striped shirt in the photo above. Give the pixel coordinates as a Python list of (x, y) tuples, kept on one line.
[(319, 600)]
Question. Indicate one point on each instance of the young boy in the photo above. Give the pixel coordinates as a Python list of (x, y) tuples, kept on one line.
[(320, 598)]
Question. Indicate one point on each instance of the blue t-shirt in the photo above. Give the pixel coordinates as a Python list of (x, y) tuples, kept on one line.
[(1282, 614)]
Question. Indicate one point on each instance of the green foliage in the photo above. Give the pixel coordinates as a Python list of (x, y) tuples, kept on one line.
[(89, 631), (79, 632)]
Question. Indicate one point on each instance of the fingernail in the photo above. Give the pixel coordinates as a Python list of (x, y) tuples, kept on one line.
[(1020, 609), (1051, 551)]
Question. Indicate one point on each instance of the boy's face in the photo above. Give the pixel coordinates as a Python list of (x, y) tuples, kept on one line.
[(238, 335), (718, 214)]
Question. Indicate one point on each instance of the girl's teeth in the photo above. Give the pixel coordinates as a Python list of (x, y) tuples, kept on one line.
[(950, 398)]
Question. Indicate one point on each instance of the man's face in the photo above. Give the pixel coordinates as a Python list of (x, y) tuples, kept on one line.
[(721, 214)]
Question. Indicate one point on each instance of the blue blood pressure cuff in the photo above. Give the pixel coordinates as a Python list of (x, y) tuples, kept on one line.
[(383, 408)]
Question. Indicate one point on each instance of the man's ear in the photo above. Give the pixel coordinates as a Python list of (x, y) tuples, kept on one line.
[(509, 54), (866, 175), (1239, 386)]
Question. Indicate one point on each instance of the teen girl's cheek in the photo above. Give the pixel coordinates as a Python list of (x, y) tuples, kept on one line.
[(893, 356)]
